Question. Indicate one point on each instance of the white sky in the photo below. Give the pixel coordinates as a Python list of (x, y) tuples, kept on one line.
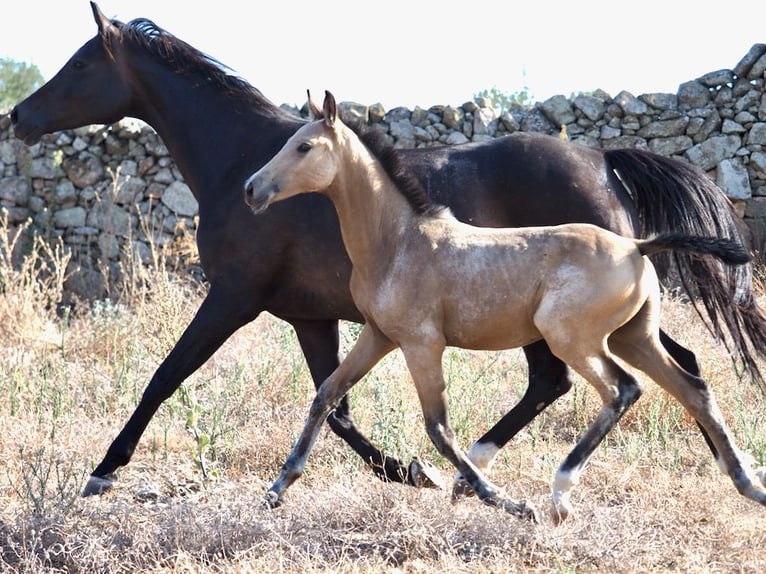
[(420, 52)]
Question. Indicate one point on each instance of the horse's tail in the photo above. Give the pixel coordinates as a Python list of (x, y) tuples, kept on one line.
[(729, 251), (671, 195)]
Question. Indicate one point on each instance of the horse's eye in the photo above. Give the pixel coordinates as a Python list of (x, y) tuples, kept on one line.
[(78, 64), (304, 147)]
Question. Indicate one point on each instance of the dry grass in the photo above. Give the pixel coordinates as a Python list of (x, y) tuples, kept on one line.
[(651, 500)]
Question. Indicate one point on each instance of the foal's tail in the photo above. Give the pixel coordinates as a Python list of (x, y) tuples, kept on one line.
[(671, 195), (729, 251)]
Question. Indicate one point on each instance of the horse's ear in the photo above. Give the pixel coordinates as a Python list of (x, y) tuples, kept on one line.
[(315, 112), (330, 109), (106, 28), (102, 21)]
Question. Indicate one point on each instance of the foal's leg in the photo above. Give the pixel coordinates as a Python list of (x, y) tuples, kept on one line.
[(618, 390), (688, 362), (371, 346), (319, 343), (549, 378), (697, 398), (424, 364)]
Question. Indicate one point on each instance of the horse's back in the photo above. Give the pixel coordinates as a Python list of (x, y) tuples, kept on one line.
[(524, 179)]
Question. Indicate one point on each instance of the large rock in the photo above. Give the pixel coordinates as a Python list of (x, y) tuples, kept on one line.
[(179, 199)]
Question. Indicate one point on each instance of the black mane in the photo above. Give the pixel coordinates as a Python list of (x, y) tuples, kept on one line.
[(191, 63), (409, 186)]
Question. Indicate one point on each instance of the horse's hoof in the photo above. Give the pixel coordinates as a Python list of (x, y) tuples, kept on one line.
[(560, 511), (761, 474), (461, 489), (148, 493), (520, 509), (98, 485), (424, 475), (272, 500)]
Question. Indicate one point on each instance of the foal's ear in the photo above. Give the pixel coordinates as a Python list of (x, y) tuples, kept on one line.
[(315, 113), (330, 109)]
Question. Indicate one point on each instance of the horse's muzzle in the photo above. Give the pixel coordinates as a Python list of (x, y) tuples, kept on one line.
[(258, 194), (30, 135)]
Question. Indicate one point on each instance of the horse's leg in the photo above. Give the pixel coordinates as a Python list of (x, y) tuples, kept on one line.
[(319, 343), (370, 347), (697, 398), (548, 380), (683, 356), (424, 363), (217, 318), (618, 390), (688, 361)]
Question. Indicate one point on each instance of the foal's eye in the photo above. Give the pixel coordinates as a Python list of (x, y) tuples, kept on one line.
[(304, 147), (78, 64)]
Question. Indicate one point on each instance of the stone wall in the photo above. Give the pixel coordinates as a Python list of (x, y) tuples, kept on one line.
[(107, 191)]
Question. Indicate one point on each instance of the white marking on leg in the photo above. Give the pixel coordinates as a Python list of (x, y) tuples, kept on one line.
[(749, 479), (563, 483), (760, 473), (721, 464), (746, 460), (483, 455)]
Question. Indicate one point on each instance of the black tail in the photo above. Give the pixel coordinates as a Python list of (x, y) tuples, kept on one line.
[(729, 251), (671, 195)]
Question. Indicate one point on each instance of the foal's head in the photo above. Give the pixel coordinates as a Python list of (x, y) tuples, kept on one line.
[(307, 162), (311, 160)]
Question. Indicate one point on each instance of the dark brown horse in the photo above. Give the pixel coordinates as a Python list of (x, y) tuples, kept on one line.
[(219, 129), (424, 280)]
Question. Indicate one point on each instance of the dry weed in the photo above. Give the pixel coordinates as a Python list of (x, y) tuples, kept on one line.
[(652, 499)]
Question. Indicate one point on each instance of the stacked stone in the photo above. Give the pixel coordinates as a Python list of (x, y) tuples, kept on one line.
[(110, 190)]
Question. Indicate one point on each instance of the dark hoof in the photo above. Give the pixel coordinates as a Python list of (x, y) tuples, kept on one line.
[(461, 489), (521, 510), (98, 485), (272, 500), (518, 508), (424, 475), (147, 494)]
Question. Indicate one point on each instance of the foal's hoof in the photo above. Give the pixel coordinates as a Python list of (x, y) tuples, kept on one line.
[(98, 485), (761, 474), (560, 510), (520, 509), (424, 475), (461, 489), (272, 500)]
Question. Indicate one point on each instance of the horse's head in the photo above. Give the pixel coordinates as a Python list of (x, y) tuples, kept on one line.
[(89, 89), (308, 162)]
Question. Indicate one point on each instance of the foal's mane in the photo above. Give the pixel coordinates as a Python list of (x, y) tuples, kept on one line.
[(186, 60), (407, 184)]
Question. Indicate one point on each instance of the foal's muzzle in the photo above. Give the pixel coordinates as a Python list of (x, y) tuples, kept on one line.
[(258, 194)]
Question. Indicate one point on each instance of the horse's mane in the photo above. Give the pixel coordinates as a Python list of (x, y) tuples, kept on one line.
[(409, 186), (190, 62)]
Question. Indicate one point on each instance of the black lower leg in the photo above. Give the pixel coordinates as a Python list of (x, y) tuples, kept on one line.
[(319, 341), (548, 380), (386, 468)]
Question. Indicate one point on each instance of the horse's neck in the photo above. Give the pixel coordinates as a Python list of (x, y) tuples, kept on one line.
[(371, 211), (209, 134)]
